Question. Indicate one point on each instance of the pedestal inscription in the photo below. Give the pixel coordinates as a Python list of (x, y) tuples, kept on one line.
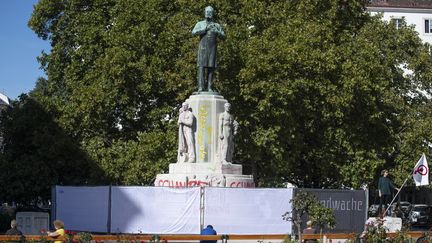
[(206, 109)]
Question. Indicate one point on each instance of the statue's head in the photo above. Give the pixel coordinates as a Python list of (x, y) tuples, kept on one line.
[(227, 107), (185, 106), (208, 12)]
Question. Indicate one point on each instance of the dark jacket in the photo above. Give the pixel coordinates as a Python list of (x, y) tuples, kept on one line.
[(13, 231), (385, 185)]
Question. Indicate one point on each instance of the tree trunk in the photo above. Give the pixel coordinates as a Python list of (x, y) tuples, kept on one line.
[(298, 225)]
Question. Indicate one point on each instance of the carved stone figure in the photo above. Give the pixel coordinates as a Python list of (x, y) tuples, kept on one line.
[(186, 137), (206, 60), (227, 129)]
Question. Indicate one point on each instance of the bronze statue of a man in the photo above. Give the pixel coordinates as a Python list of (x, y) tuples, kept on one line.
[(206, 61)]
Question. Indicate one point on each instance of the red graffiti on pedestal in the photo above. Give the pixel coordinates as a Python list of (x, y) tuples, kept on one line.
[(194, 183)]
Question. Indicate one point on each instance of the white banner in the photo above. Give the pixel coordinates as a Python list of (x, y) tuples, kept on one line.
[(247, 211), (83, 208), (155, 210)]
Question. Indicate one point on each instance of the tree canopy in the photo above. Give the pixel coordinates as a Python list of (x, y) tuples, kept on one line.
[(326, 94)]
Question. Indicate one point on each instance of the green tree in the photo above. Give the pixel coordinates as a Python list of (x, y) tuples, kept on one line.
[(114, 79), (305, 203), (319, 87), (38, 154), (329, 92), (322, 217)]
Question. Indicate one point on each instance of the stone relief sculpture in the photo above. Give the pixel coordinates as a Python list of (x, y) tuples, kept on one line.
[(227, 129), (186, 136), (206, 60)]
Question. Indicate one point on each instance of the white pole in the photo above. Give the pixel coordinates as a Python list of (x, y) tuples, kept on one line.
[(395, 196)]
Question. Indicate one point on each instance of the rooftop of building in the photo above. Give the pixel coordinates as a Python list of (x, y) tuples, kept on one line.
[(425, 4), (4, 100)]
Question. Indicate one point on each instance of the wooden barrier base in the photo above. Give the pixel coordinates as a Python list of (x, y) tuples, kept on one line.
[(224, 238)]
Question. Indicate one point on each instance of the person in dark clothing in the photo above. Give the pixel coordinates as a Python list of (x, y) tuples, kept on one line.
[(385, 190), (13, 230), (309, 230), (208, 231)]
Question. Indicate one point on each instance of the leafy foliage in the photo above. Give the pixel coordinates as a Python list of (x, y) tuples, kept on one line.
[(375, 232), (326, 94), (84, 237), (322, 217), (402, 236), (425, 238), (38, 155)]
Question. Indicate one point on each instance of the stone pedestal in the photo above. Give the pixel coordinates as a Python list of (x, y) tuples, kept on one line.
[(207, 169), (203, 168), (206, 109)]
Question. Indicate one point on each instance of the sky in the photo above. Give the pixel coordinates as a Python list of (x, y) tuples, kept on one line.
[(19, 48)]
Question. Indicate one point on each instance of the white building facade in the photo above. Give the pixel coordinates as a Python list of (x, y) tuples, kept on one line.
[(416, 13), (4, 102)]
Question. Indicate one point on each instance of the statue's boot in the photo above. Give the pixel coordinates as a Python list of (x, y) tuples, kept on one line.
[(210, 83), (200, 86)]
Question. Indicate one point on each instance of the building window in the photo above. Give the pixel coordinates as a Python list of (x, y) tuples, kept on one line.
[(397, 22), (428, 25)]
